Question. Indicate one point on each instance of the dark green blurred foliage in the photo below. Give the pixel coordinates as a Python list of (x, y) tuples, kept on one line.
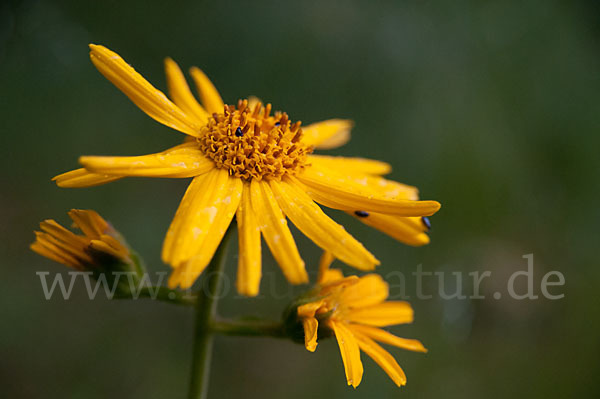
[(492, 108)]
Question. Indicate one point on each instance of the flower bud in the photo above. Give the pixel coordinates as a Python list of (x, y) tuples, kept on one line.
[(100, 249)]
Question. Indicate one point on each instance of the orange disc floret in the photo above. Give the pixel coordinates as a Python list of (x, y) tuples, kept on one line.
[(252, 144)]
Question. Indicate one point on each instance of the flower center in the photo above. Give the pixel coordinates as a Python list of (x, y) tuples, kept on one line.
[(252, 144)]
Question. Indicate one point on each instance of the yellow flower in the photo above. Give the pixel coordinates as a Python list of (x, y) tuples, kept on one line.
[(99, 246), (259, 167), (353, 308)]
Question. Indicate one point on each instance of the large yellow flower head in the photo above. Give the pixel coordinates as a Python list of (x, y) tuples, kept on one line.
[(258, 166), (353, 309)]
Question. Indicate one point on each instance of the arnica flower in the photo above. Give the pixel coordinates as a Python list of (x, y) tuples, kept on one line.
[(99, 249), (353, 309), (258, 166)]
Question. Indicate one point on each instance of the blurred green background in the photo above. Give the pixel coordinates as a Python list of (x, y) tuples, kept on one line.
[(492, 108)]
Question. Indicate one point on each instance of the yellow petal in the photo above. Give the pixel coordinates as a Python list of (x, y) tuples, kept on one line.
[(102, 246), (149, 99), (309, 309), (249, 255), (180, 92), (369, 290), (112, 242), (119, 249), (56, 230), (202, 236), (253, 101), (83, 178), (70, 250), (185, 160), (185, 211), (339, 192), (89, 222), (351, 165), (330, 275), (381, 357), (319, 227), (350, 353), (383, 186), (210, 97), (310, 326), (337, 286), (403, 229), (388, 338), (327, 134), (202, 217), (52, 253), (60, 244), (383, 314), (364, 174), (325, 262), (276, 232), (326, 274), (371, 183)]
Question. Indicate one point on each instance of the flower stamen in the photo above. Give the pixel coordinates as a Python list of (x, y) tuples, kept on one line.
[(252, 144)]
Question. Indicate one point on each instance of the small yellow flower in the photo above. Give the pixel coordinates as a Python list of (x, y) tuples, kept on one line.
[(259, 167), (353, 308), (100, 244)]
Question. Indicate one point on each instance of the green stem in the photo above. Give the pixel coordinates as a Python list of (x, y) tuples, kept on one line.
[(261, 328), (163, 294), (168, 295), (205, 313)]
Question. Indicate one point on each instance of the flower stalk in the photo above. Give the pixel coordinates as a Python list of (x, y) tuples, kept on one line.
[(176, 297), (206, 308), (249, 328)]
